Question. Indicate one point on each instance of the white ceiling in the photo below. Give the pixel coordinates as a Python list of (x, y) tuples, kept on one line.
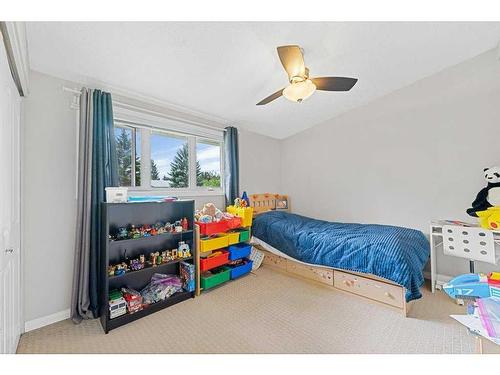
[(224, 69)]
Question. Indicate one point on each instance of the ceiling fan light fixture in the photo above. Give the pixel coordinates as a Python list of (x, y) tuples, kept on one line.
[(299, 91)]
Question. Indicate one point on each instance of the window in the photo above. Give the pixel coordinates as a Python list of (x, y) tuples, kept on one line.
[(127, 149), (208, 164), (177, 161), (169, 161)]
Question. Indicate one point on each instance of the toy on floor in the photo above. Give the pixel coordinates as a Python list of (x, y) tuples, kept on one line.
[(473, 285), (488, 196), (489, 313)]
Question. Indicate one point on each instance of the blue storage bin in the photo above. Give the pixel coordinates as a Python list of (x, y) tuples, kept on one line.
[(240, 250), (241, 270)]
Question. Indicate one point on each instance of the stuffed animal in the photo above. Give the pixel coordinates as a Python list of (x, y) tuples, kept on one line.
[(209, 209), (488, 196), (490, 218)]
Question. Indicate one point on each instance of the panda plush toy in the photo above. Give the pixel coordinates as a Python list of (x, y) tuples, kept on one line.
[(490, 195)]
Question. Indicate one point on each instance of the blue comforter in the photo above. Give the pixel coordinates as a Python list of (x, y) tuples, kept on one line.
[(393, 253)]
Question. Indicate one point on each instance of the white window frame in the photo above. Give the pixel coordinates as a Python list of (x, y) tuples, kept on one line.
[(146, 123), (134, 130)]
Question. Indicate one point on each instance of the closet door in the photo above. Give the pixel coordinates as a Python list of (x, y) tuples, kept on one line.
[(10, 278)]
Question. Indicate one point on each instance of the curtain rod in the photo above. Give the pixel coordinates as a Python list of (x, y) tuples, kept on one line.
[(78, 92)]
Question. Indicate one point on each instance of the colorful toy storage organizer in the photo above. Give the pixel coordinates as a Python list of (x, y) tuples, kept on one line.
[(224, 248), (160, 280)]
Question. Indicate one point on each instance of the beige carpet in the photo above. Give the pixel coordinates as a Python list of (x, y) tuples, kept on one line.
[(269, 312)]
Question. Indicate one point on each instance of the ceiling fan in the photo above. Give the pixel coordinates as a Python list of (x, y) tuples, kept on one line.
[(301, 86)]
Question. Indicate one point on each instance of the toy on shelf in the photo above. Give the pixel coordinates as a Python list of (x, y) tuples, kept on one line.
[(147, 230), (473, 285), (133, 299), (185, 224), (161, 287), (117, 304), (178, 226), (118, 269), (160, 227), (134, 232), (155, 258), (122, 234), (187, 272), (183, 251)]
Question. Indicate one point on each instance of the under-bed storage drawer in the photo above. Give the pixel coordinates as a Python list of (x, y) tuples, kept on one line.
[(274, 260), (323, 275), (366, 287)]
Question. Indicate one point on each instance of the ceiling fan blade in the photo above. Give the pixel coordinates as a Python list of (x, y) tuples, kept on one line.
[(271, 97), (293, 61), (334, 83)]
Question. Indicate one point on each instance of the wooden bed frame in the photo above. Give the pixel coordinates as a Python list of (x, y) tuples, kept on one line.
[(368, 286)]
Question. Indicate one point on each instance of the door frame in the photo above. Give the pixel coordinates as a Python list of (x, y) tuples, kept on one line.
[(14, 36)]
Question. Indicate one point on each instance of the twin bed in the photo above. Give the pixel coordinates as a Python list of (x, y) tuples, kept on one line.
[(380, 262)]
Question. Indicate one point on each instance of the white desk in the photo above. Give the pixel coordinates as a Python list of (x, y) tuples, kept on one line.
[(436, 240)]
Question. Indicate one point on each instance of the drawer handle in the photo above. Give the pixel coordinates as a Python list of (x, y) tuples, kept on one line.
[(348, 283), (387, 294)]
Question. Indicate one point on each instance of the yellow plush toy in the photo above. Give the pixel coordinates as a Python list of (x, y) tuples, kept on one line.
[(490, 218)]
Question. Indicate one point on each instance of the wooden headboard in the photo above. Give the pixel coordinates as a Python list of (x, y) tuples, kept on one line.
[(267, 202)]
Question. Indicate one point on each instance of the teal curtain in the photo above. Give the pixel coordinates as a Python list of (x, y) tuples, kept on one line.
[(231, 166), (104, 174)]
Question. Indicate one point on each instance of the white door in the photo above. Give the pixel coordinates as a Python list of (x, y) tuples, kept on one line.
[(10, 275)]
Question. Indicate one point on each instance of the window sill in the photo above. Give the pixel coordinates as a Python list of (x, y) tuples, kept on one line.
[(133, 191)]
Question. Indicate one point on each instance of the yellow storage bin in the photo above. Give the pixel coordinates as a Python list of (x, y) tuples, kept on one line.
[(233, 237), (214, 243), (245, 213)]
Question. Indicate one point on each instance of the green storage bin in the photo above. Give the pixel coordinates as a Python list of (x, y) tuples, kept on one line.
[(217, 279), (244, 234)]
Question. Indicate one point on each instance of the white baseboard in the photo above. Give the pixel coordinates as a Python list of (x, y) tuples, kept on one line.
[(46, 320)]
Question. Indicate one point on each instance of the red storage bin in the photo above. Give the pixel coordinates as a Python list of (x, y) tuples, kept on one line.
[(213, 228), (212, 262), (220, 227)]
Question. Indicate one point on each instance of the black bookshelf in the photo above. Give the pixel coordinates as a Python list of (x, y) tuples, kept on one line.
[(117, 215)]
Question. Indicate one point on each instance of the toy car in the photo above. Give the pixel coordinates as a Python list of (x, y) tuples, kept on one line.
[(117, 305)]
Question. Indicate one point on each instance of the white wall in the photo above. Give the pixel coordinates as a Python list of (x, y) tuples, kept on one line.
[(404, 159), (48, 197), (49, 209), (259, 163)]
